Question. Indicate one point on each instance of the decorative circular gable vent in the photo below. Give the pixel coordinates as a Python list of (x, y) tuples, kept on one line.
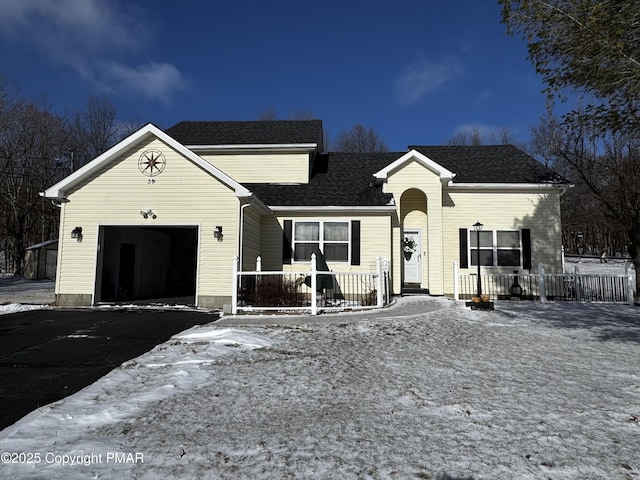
[(152, 163)]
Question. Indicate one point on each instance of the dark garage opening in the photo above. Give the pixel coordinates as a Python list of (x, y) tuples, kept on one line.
[(147, 264)]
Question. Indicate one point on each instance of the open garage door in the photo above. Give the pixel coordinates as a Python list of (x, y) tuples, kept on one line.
[(147, 264)]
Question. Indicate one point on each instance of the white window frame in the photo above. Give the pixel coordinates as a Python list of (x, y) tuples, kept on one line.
[(494, 247), (321, 241)]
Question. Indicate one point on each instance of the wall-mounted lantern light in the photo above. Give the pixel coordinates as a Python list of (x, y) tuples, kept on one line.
[(217, 233), (77, 233)]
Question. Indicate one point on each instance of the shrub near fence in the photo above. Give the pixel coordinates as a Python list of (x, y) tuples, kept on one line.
[(547, 287), (272, 290)]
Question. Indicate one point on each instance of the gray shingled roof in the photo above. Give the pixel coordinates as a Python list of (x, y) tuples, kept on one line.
[(337, 179), (267, 132), (346, 179), (490, 164)]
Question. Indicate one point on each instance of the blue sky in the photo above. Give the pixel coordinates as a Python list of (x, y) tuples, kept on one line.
[(417, 71)]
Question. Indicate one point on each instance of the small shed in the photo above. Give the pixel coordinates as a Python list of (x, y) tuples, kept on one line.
[(40, 260)]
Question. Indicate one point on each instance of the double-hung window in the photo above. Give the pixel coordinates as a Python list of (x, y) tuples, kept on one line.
[(498, 248), (331, 238)]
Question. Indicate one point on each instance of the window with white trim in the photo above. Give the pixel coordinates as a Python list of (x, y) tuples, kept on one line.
[(498, 248), (332, 238)]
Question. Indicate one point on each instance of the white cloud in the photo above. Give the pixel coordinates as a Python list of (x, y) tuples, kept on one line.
[(71, 26), (423, 77), (156, 81), (91, 37)]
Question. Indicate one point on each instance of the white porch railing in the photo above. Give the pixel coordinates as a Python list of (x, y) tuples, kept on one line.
[(545, 287), (309, 290)]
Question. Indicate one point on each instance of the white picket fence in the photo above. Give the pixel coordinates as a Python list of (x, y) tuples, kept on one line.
[(579, 287), (309, 290)]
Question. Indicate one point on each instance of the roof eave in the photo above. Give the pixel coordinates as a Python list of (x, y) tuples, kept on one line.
[(254, 200), (257, 148), (506, 186), (334, 208), (444, 174)]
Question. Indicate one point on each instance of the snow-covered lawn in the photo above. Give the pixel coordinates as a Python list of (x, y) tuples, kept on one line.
[(18, 294), (425, 389)]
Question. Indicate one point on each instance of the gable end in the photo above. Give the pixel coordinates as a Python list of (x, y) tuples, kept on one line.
[(60, 189)]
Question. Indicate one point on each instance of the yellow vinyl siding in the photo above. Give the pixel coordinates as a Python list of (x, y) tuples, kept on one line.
[(182, 195), (263, 168), (409, 178), (538, 211), (251, 238), (444, 211), (374, 241)]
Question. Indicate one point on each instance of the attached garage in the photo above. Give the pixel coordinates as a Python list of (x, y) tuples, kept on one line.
[(144, 222), (142, 263)]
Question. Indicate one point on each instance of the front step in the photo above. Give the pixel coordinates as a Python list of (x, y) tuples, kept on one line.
[(414, 290)]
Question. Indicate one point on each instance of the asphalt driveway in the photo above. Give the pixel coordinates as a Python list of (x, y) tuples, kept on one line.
[(46, 355)]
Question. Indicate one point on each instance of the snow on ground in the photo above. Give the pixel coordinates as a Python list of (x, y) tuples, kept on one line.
[(18, 294), (19, 307), (591, 265), (425, 389)]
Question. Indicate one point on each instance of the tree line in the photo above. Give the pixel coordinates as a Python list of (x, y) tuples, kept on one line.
[(589, 52), (39, 147), (358, 138)]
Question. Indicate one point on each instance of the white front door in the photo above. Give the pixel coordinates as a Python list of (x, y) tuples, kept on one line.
[(412, 256)]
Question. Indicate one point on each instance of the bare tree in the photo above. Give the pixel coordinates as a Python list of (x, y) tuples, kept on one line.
[(30, 145), (124, 129), (467, 137), (37, 149), (93, 130), (477, 135), (359, 139), (601, 213), (591, 48), (269, 114), (100, 123)]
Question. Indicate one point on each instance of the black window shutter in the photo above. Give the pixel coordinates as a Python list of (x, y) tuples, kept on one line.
[(355, 242), (464, 261), (286, 242), (526, 248)]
